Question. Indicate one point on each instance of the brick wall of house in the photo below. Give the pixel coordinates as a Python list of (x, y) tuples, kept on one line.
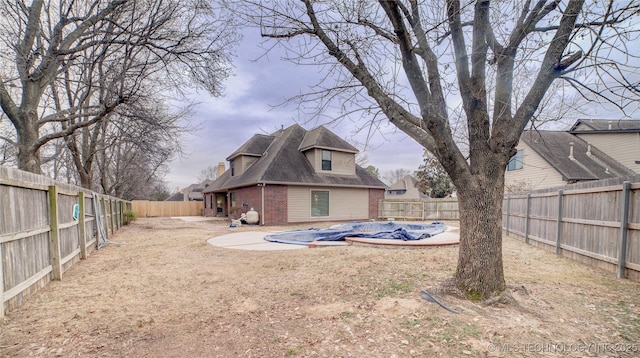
[(375, 195), (246, 198), (275, 199)]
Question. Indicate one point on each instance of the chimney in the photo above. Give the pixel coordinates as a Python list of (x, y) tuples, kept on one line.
[(220, 169), (589, 150), (571, 151)]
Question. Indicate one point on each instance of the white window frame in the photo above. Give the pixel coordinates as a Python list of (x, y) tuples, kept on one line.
[(311, 206), (516, 162)]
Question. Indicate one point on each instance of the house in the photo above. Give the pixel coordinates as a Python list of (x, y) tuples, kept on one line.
[(619, 139), (405, 189), (177, 196), (191, 193), (295, 175), (555, 158)]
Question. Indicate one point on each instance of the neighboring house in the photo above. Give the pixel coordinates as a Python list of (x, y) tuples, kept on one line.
[(295, 175), (555, 158), (405, 189), (619, 139), (191, 193), (175, 197)]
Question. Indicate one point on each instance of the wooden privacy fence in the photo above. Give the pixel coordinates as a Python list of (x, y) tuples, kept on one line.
[(144, 208), (428, 209), (599, 226), (41, 236)]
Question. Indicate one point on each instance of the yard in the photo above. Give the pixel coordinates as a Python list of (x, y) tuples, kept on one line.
[(167, 293)]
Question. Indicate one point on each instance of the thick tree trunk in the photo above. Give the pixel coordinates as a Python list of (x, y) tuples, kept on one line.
[(479, 273), (86, 181), (28, 150)]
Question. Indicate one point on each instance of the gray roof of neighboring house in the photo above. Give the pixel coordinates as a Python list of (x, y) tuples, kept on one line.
[(404, 183), (408, 182), (554, 147), (605, 126), (175, 197), (285, 163)]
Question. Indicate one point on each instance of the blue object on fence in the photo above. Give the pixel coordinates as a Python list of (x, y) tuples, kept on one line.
[(76, 211)]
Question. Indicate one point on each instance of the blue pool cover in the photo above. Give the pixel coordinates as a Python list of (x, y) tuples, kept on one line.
[(377, 230)]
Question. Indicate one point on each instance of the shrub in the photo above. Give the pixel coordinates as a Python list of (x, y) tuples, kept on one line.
[(128, 217)]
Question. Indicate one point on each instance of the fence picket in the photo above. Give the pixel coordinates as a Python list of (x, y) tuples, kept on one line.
[(624, 230), (39, 228)]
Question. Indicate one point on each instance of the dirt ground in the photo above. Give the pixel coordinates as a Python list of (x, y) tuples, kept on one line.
[(167, 293)]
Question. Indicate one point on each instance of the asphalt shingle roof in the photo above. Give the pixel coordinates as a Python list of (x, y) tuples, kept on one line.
[(554, 147), (603, 125), (283, 162)]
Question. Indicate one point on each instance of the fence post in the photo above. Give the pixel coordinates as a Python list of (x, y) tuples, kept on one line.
[(508, 213), (105, 224), (624, 229), (526, 219), (121, 216), (559, 227), (1, 286), (81, 227), (111, 217), (54, 234)]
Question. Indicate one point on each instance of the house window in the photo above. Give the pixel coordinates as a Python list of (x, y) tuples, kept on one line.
[(516, 161), (232, 199), (326, 160), (319, 203), (233, 167), (396, 191)]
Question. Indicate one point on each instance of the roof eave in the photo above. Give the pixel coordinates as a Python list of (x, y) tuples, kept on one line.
[(225, 189), (329, 148)]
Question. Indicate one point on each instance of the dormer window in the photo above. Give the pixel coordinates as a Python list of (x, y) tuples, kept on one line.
[(326, 160), (233, 167)]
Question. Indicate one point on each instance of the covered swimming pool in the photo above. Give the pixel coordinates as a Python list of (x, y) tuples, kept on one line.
[(373, 230)]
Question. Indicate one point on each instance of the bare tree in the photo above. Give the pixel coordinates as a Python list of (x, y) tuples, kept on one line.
[(208, 173), (135, 146), (393, 176), (73, 63), (406, 61)]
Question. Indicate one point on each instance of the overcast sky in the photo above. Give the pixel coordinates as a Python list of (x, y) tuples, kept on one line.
[(250, 106)]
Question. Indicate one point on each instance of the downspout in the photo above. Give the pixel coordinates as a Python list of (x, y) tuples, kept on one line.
[(262, 203)]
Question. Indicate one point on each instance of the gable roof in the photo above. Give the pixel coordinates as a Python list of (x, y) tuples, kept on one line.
[(175, 197), (408, 181), (588, 163), (284, 163), (321, 137), (605, 126), (254, 147)]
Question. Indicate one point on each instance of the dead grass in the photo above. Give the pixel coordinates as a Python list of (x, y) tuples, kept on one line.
[(168, 293)]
